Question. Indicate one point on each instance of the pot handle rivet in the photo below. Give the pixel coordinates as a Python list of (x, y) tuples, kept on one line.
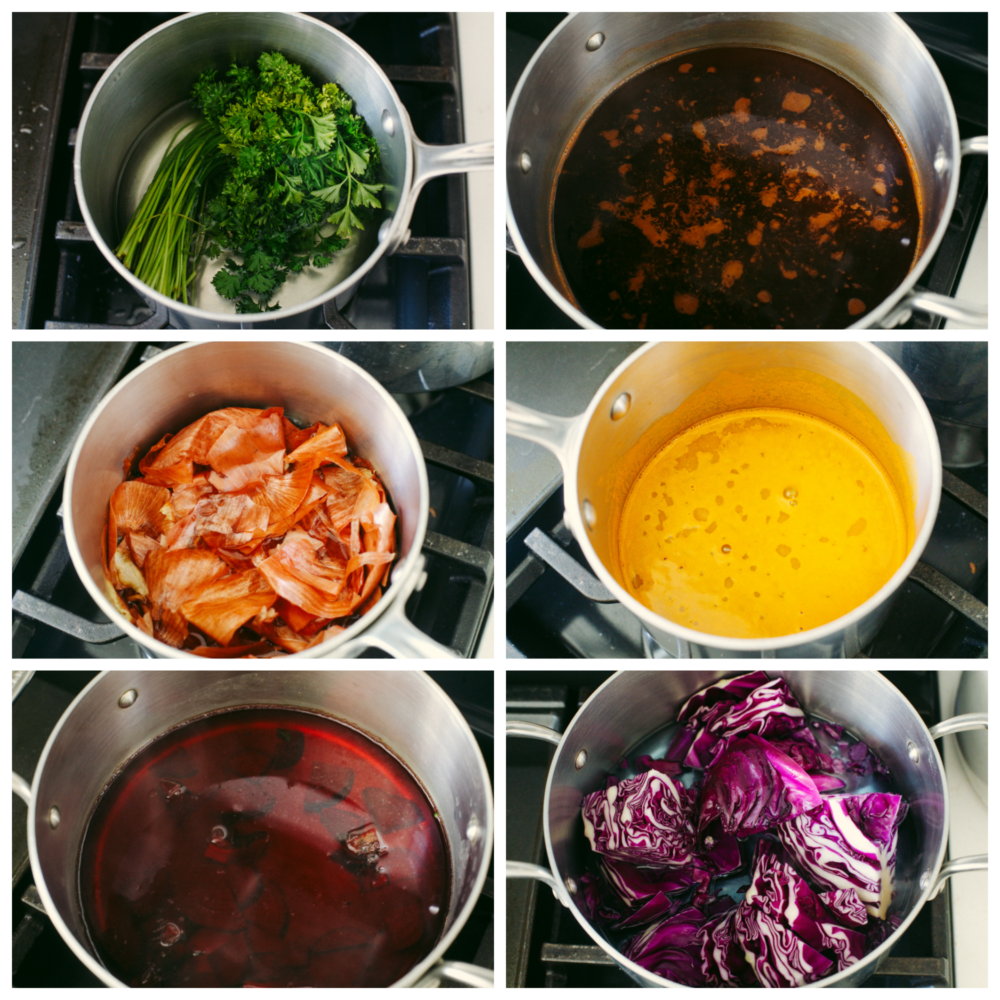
[(595, 41), (388, 124), (621, 406), (524, 162), (913, 752), (589, 514), (472, 830), (127, 700), (54, 817), (581, 759), (571, 886)]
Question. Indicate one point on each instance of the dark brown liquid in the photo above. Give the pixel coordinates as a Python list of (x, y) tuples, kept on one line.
[(735, 187), (264, 847)]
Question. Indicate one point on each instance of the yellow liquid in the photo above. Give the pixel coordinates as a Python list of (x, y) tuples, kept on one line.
[(760, 522)]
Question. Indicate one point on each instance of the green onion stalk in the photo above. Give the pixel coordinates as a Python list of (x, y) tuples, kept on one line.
[(161, 246)]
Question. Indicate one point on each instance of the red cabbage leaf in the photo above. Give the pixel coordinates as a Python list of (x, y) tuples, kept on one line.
[(849, 842), (753, 787)]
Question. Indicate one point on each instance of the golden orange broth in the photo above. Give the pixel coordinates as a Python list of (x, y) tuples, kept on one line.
[(760, 522)]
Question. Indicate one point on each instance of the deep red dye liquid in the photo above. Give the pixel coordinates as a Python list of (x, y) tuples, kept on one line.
[(264, 847)]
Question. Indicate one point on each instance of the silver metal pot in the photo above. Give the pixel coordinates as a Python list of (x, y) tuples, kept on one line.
[(633, 704), (603, 449), (420, 366), (143, 97), (312, 383), (589, 54), (120, 712)]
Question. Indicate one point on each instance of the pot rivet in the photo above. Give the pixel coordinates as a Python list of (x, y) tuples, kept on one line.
[(595, 41), (589, 514), (388, 124), (621, 406), (581, 759), (525, 162), (127, 700), (913, 752), (472, 830), (571, 885), (941, 161), (54, 817)]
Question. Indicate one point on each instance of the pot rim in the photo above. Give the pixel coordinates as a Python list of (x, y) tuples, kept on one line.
[(388, 233), (869, 320), (106, 976), (402, 572), (821, 632), (647, 977)]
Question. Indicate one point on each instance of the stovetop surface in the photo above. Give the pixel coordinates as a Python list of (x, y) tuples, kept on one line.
[(546, 947), (957, 43)]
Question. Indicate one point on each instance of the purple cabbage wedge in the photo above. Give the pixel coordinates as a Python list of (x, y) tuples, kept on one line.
[(647, 820), (672, 948), (786, 933), (652, 890), (732, 708), (753, 787), (849, 842)]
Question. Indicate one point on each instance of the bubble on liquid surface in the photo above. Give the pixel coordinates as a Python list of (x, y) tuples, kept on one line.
[(434, 909), (726, 549), (218, 834), (790, 494)]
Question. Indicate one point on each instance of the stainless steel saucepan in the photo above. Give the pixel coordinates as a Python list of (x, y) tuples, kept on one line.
[(633, 704), (120, 712), (603, 449), (311, 383), (143, 98), (589, 54)]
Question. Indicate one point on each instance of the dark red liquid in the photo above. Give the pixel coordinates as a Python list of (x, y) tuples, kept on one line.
[(735, 187), (264, 847)]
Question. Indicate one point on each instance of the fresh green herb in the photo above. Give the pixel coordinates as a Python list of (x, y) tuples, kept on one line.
[(277, 176)]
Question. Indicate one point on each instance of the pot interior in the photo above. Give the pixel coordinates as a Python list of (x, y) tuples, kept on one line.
[(569, 78), (140, 105), (169, 392), (404, 711), (672, 386), (634, 704)]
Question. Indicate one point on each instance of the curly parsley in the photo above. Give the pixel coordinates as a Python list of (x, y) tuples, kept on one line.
[(276, 176)]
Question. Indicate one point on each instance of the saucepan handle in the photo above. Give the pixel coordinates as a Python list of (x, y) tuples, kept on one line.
[(21, 788), (456, 972), (395, 634), (973, 862), (941, 305), (542, 428), (436, 161), (959, 724), (522, 869)]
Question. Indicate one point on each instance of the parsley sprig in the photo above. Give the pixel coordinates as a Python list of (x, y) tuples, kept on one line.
[(276, 177)]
